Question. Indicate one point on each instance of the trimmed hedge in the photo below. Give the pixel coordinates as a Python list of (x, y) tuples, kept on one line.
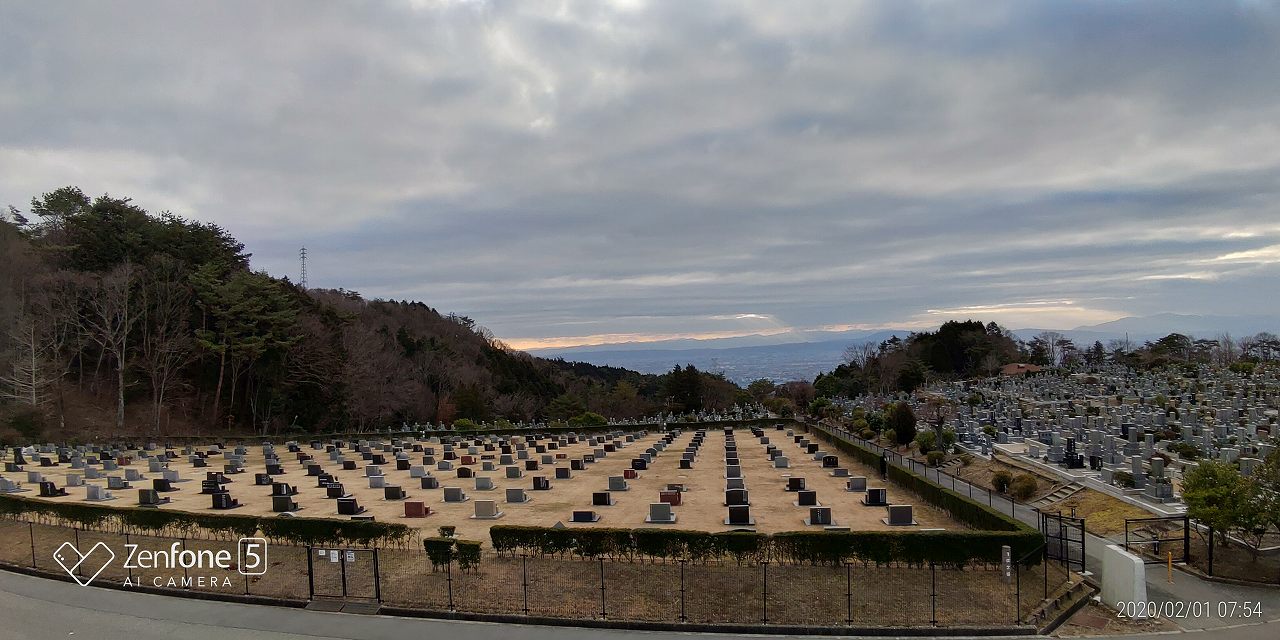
[(947, 548), (161, 521), (958, 506)]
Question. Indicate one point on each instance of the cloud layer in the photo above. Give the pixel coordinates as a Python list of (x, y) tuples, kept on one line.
[(572, 170)]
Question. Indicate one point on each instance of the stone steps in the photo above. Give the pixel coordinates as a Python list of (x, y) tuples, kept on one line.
[(1058, 495)]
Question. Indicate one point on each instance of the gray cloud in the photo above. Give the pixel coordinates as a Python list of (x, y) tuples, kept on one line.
[(582, 168)]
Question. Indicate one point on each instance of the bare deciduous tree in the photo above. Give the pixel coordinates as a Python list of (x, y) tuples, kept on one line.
[(112, 315), (167, 345)]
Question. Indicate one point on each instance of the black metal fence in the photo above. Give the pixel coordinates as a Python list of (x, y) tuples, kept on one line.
[(853, 594), (995, 500)]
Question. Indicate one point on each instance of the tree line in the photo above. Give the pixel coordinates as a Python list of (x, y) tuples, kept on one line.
[(969, 349), (122, 321)]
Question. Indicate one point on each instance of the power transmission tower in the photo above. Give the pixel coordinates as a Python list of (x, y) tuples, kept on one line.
[(303, 256)]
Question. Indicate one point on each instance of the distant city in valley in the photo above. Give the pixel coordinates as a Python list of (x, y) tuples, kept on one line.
[(782, 358)]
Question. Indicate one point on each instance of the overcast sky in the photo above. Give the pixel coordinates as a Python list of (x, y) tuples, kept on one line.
[(576, 172)]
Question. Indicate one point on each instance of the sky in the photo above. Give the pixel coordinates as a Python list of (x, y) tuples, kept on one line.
[(592, 172)]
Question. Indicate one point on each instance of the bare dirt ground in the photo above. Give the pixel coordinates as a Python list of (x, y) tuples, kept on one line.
[(702, 509), (980, 472), (1104, 515)]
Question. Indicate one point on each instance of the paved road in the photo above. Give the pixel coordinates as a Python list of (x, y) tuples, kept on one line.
[(39, 609)]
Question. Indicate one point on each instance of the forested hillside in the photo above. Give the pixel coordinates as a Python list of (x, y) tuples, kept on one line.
[(116, 321)]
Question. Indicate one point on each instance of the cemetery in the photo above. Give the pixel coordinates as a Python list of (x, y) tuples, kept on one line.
[(1128, 434), (531, 519), (730, 479)]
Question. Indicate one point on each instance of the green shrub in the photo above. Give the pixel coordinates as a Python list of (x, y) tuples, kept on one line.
[(1123, 479), (1001, 480), (468, 555), (935, 458), (588, 419), (439, 551), (926, 441), (966, 459), (1024, 486)]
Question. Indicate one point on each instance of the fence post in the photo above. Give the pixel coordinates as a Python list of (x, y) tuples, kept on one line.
[(1046, 571), (343, 566), (524, 580), (603, 611), (1017, 591), (377, 577), (31, 528), (129, 567), (311, 574), (448, 578), (1210, 551), (185, 579), (1186, 540), (764, 596), (933, 592), (848, 593), (682, 616), (79, 571)]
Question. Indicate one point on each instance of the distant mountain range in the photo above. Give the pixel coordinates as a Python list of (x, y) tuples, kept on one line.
[(802, 355)]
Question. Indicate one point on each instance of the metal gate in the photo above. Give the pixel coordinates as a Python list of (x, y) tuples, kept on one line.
[(342, 573), (1159, 539), (1064, 539)]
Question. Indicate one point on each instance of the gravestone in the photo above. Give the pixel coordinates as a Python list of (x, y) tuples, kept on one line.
[(454, 494), (349, 507), (819, 516), (283, 504), (740, 516), (95, 493), (486, 510), (660, 513), (150, 498), (899, 516), (806, 498), (516, 495), (876, 497), (618, 483), (601, 499), (223, 500), (585, 516)]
